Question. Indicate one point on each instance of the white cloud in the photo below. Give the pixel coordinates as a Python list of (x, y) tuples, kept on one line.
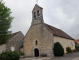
[(62, 14)]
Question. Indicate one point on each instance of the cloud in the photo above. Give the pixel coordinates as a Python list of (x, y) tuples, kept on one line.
[(62, 14)]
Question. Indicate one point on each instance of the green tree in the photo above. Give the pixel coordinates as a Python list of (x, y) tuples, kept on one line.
[(5, 23), (58, 49)]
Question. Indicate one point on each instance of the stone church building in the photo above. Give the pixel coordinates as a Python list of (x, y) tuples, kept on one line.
[(41, 37)]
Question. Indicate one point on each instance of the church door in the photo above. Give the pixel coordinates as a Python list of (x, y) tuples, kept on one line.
[(36, 51)]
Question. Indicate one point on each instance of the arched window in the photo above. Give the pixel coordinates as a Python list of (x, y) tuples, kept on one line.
[(34, 15), (38, 12), (36, 42)]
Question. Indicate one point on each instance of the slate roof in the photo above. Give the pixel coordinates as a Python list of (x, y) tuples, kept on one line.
[(13, 34), (58, 32)]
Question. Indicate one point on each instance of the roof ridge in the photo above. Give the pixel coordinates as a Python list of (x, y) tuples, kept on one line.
[(53, 26), (16, 32), (38, 6), (13, 34)]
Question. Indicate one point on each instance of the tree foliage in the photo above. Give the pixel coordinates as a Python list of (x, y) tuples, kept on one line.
[(58, 49), (10, 55), (5, 23)]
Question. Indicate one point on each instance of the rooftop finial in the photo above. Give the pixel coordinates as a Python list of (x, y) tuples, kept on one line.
[(36, 1)]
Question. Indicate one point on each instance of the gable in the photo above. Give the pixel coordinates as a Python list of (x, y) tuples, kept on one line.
[(12, 35), (37, 7), (58, 32)]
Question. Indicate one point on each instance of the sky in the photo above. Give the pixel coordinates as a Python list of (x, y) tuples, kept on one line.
[(62, 14)]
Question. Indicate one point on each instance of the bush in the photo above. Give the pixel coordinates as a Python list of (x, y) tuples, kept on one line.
[(77, 47), (68, 49), (74, 50), (21, 53), (10, 55), (58, 49)]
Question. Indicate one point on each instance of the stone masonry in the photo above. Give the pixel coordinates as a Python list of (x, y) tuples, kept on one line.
[(16, 41), (2, 48)]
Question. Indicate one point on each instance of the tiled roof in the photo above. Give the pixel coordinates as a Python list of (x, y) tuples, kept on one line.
[(77, 40), (58, 32)]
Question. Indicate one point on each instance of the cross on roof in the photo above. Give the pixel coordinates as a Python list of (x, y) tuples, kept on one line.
[(36, 1)]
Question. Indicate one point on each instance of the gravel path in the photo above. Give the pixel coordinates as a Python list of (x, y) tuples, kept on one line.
[(72, 56)]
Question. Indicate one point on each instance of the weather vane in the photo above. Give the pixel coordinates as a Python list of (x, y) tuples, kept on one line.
[(36, 1)]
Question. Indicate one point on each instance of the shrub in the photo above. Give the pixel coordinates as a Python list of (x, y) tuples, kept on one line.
[(77, 47), (74, 50), (10, 55), (2, 56), (21, 53), (58, 49), (68, 49)]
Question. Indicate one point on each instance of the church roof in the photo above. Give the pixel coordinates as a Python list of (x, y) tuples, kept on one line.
[(37, 6), (58, 32)]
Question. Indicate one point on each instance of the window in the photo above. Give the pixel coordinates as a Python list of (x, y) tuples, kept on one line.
[(38, 12), (12, 48), (34, 15), (71, 43), (36, 42)]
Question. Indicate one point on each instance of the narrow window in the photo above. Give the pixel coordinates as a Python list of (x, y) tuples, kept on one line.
[(36, 42), (38, 12), (34, 15), (12, 48), (71, 43)]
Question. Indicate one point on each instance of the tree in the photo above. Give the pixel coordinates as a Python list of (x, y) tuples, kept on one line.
[(58, 49), (5, 23)]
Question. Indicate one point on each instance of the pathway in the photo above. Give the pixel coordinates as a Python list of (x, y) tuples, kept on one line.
[(72, 56)]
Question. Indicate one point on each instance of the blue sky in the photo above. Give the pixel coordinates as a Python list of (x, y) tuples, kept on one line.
[(62, 14)]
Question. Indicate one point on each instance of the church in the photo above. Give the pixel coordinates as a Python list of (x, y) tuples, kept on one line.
[(41, 37)]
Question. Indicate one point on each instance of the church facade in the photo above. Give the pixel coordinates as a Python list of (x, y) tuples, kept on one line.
[(41, 37)]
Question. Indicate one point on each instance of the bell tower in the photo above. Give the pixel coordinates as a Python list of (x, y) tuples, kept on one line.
[(37, 15)]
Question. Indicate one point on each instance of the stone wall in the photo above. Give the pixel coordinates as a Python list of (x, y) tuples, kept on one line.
[(44, 38), (47, 42), (21, 50), (2, 48), (65, 42), (16, 42), (33, 34)]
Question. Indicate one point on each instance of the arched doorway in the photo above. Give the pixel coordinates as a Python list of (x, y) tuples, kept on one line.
[(36, 51)]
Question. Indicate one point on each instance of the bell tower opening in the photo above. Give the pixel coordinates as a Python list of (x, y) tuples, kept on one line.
[(34, 15), (38, 13), (36, 51)]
